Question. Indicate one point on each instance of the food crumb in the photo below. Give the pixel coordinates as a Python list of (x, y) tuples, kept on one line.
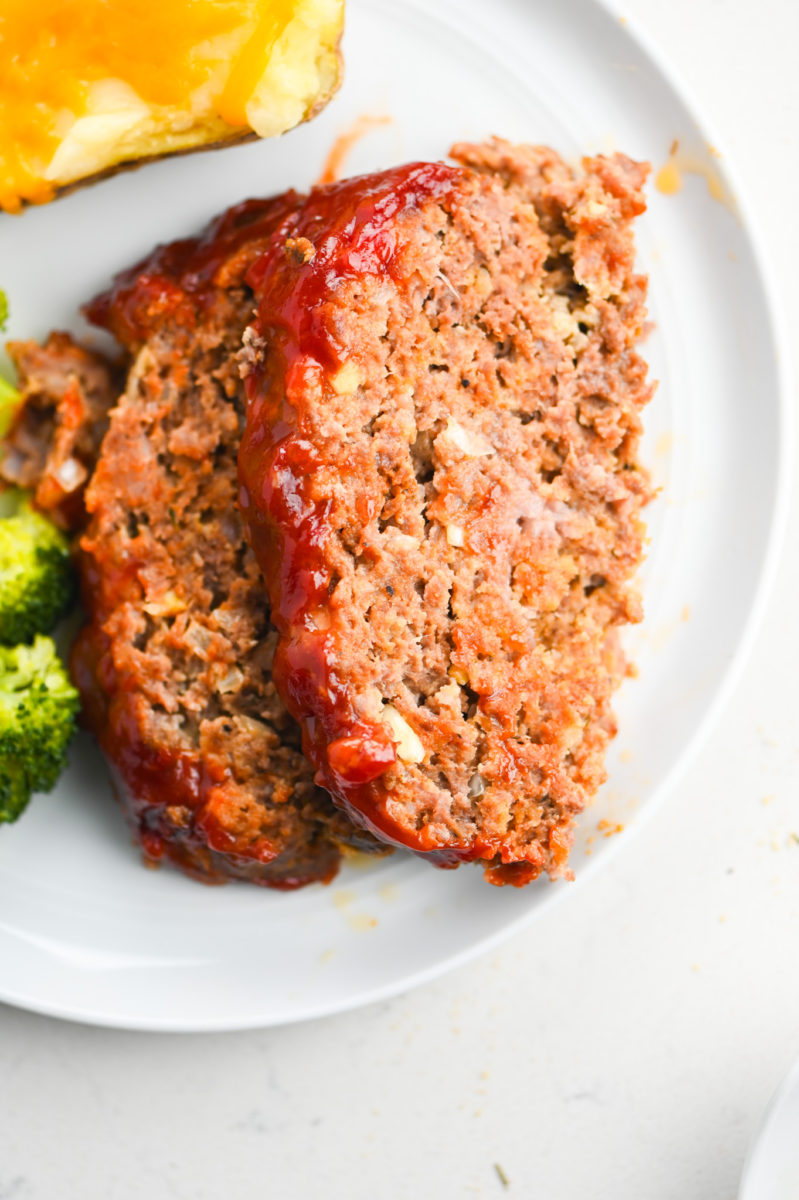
[(326, 956), (669, 179), (626, 756), (360, 922), (608, 828), (501, 1176), (388, 892), (299, 251), (342, 897), (685, 615)]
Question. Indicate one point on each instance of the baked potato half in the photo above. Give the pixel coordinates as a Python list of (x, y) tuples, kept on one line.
[(90, 86)]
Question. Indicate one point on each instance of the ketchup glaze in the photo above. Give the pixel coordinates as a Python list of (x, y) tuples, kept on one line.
[(343, 232)]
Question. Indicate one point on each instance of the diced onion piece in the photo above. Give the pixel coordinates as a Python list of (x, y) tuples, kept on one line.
[(231, 681), (167, 606), (70, 474), (477, 786), (408, 743), (347, 379), (472, 445)]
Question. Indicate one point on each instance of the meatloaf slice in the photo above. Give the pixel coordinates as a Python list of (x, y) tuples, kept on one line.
[(174, 663), (53, 442), (440, 476)]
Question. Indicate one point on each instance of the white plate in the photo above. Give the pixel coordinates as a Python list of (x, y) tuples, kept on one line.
[(771, 1171), (85, 932)]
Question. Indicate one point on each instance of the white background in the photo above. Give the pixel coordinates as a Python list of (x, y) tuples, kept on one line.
[(624, 1046)]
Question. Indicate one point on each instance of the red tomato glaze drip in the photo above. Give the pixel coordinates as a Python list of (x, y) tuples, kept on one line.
[(343, 232)]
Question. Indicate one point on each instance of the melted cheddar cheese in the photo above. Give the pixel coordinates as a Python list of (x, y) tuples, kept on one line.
[(89, 84)]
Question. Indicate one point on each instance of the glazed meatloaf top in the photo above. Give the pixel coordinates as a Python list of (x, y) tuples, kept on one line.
[(440, 477), (174, 663)]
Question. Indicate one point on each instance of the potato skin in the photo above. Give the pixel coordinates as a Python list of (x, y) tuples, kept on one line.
[(236, 139)]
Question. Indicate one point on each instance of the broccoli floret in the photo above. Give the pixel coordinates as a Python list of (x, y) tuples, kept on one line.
[(36, 577), (38, 705), (9, 396), (10, 401)]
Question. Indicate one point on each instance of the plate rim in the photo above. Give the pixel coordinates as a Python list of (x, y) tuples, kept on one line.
[(788, 1084)]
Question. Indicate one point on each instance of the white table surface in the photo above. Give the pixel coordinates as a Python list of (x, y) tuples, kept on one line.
[(623, 1047)]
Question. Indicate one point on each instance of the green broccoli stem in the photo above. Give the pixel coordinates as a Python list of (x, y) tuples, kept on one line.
[(10, 401)]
